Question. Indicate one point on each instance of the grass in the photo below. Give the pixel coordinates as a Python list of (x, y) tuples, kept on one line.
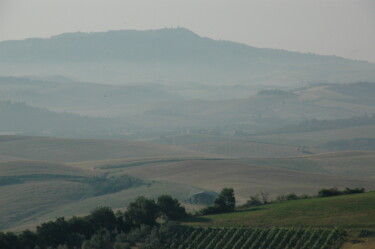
[(24, 202), (347, 211), (349, 163)]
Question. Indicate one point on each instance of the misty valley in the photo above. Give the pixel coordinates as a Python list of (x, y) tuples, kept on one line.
[(166, 139)]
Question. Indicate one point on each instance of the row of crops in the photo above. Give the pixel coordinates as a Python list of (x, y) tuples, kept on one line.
[(255, 238)]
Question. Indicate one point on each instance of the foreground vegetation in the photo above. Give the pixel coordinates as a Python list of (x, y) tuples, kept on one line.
[(104, 230), (149, 224)]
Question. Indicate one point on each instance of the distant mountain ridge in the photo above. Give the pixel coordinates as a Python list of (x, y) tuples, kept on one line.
[(163, 44), (171, 55)]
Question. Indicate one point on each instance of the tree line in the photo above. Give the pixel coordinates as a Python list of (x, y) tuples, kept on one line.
[(262, 198), (101, 229)]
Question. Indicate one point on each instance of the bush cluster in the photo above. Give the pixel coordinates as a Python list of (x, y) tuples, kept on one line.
[(327, 192)]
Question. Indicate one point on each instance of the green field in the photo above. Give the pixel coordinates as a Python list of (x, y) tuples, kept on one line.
[(346, 211), (350, 213)]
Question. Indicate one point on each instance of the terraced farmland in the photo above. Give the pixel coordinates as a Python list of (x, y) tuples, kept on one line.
[(246, 238)]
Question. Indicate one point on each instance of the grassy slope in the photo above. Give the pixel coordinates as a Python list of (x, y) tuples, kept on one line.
[(349, 163), (72, 150), (82, 206), (30, 167), (37, 199), (348, 211), (45, 186), (24, 202)]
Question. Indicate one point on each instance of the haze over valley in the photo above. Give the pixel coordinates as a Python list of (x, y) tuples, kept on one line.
[(93, 119)]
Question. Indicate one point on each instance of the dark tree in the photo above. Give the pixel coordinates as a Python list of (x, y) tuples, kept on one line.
[(53, 233), (28, 239), (122, 225), (9, 240), (102, 218), (100, 240), (81, 225), (226, 200), (142, 211), (170, 208)]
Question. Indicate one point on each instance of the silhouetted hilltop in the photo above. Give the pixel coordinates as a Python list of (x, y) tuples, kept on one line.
[(171, 55)]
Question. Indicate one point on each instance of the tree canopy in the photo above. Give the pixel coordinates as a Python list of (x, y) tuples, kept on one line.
[(142, 211)]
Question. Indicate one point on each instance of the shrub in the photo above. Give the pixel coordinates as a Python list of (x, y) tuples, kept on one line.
[(348, 191), (327, 192), (253, 201), (292, 196)]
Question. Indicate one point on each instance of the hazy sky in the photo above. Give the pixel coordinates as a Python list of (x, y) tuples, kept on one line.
[(341, 27)]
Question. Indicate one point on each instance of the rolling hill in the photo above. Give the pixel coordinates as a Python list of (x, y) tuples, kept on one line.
[(269, 110), (323, 115), (37, 183), (45, 177), (20, 118), (61, 94)]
